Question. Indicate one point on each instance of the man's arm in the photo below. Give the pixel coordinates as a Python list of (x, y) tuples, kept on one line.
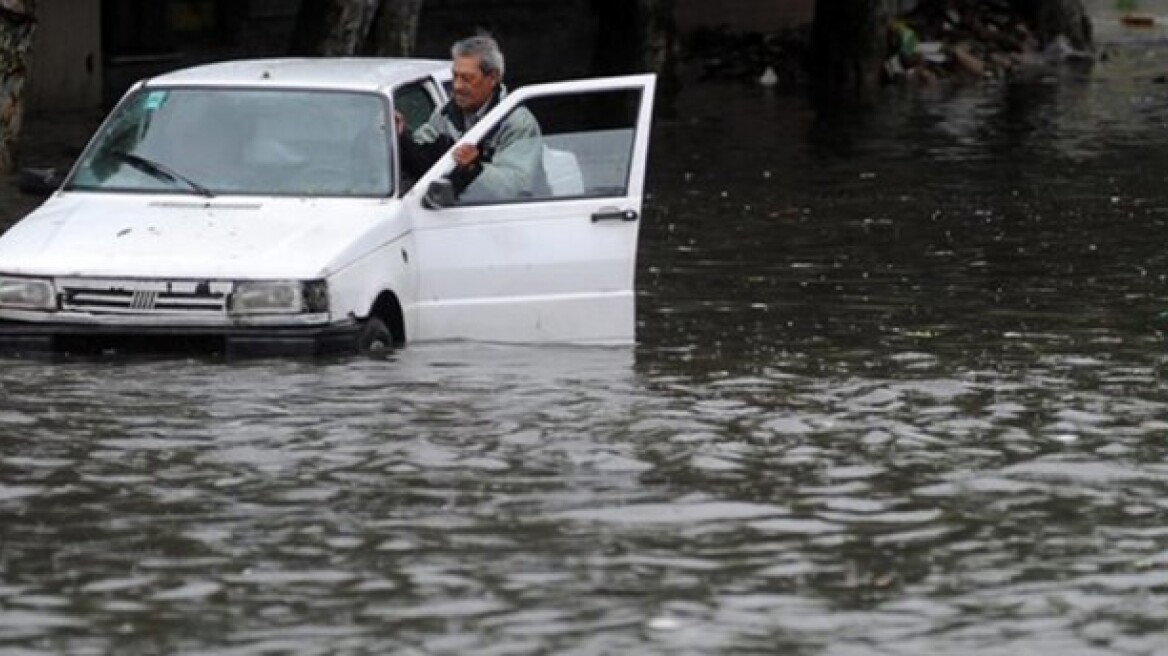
[(424, 147), (511, 170)]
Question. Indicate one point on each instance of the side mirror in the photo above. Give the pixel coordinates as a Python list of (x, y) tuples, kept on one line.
[(440, 194), (40, 182)]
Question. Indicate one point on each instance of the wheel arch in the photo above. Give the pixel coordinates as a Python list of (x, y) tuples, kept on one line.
[(387, 308)]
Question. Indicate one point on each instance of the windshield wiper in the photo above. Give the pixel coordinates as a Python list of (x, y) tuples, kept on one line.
[(161, 171)]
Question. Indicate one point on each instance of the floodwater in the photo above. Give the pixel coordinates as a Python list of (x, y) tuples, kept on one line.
[(897, 391)]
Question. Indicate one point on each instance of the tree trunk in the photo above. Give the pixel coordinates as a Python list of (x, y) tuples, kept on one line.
[(1054, 18), (17, 24), (633, 37), (847, 47), (658, 35), (332, 28), (617, 37), (395, 28)]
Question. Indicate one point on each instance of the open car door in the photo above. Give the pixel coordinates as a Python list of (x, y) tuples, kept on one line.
[(549, 261)]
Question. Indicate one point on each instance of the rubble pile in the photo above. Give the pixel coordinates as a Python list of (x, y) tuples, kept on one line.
[(974, 38), (939, 39)]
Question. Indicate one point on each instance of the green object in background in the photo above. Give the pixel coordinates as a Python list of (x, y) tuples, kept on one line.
[(1126, 5), (909, 41)]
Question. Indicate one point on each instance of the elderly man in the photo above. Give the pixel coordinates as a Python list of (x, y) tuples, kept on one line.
[(506, 164)]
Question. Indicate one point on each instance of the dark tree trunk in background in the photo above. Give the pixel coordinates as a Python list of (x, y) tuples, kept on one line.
[(658, 35), (395, 28), (310, 27), (847, 47), (332, 28), (635, 36), (1052, 18), (17, 24), (617, 36)]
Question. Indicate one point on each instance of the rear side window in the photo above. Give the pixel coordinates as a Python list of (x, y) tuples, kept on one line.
[(415, 102)]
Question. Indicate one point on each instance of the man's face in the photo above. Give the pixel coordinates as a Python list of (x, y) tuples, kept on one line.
[(472, 89)]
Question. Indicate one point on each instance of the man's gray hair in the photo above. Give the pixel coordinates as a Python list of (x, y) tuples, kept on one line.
[(483, 47)]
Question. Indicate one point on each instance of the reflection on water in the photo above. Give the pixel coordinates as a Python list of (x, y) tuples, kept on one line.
[(897, 391)]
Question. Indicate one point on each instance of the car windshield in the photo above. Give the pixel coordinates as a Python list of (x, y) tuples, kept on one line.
[(242, 141)]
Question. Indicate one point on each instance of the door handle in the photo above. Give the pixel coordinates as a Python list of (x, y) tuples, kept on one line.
[(615, 215)]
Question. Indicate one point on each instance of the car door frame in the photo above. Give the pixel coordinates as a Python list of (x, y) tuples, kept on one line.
[(600, 310)]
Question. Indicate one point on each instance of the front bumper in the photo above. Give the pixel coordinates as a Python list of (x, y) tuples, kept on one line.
[(19, 337)]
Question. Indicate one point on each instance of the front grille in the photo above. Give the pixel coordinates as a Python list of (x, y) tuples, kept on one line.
[(149, 297)]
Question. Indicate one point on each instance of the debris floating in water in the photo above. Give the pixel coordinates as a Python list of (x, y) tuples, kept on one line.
[(769, 77), (664, 623)]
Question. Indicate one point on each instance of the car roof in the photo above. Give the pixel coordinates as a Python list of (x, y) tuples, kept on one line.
[(345, 73)]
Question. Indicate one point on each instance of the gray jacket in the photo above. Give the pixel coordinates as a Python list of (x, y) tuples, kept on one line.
[(510, 163)]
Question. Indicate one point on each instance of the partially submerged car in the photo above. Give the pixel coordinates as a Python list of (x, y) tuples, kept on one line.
[(260, 206)]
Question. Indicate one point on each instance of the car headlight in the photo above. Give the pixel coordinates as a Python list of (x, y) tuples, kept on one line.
[(27, 294), (279, 297)]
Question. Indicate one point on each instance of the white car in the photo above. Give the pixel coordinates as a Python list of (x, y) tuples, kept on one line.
[(259, 205)]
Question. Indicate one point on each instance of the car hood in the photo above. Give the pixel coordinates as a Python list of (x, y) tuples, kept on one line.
[(91, 234)]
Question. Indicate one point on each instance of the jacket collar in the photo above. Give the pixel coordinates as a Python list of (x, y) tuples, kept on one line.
[(456, 117)]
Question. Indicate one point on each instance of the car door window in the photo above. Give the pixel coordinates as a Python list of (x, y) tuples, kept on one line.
[(573, 145)]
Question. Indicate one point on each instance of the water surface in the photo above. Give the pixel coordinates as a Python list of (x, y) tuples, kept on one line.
[(897, 390)]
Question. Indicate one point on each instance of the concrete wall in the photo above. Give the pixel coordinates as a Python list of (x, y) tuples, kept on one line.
[(66, 59)]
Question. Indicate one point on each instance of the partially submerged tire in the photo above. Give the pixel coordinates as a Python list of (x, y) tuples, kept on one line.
[(374, 336)]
